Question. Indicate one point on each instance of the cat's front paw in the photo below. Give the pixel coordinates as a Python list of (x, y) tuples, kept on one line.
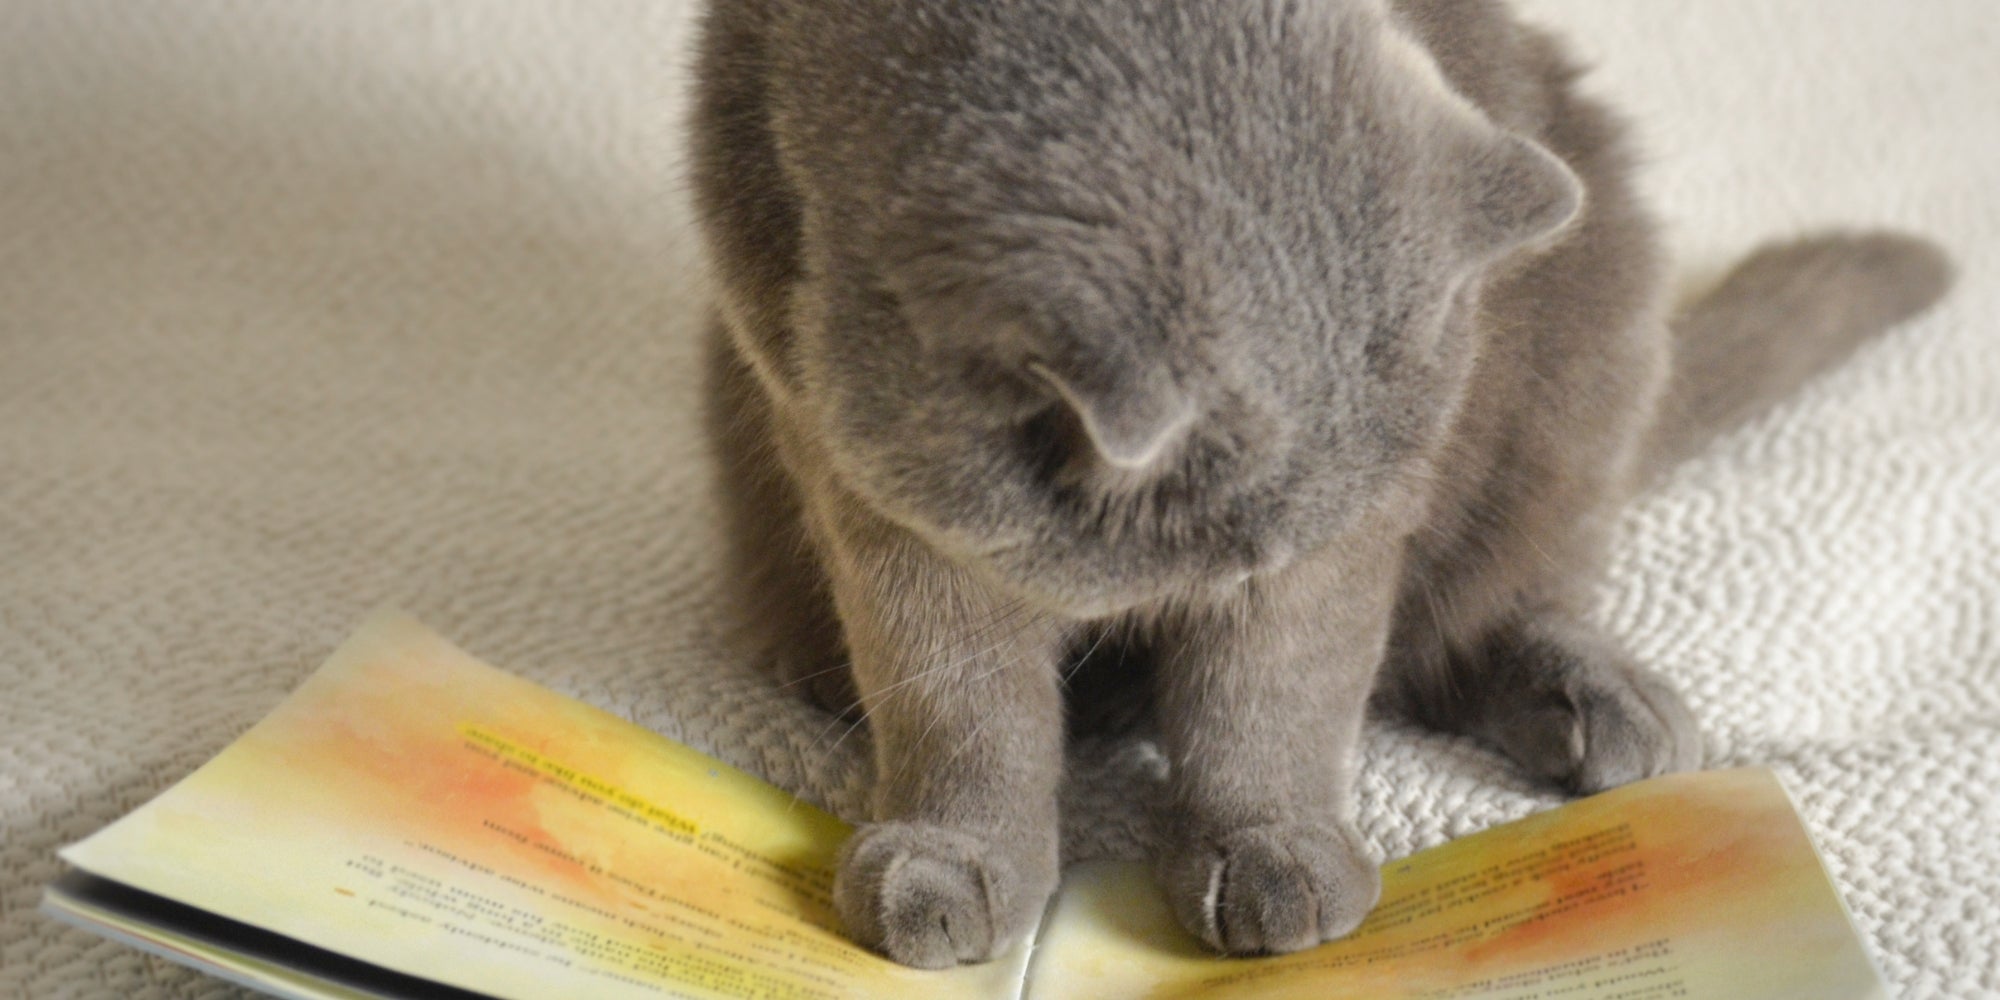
[(931, 897), (1272, 888)]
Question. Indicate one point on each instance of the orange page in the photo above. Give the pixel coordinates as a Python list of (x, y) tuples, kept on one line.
[(418, 810), (1689, 886)]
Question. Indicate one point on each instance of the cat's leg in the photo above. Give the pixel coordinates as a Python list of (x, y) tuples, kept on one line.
[(963, 701), (783, 611), (1260, 703), (1560, 698)]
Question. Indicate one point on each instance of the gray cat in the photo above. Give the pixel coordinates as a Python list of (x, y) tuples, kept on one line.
[(1308, 346)]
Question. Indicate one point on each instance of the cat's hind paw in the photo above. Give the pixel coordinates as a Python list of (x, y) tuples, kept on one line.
[(1589, 719), (931, 897), (1273, 888), (1623, 725)]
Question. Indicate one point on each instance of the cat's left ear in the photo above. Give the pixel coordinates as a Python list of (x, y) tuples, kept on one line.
[(1516, 192)]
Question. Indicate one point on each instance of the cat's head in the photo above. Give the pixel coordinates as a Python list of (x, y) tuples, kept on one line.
[(1165, 297)]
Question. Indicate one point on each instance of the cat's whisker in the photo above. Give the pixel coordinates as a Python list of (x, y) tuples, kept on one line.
[(1010, 613), (1450, 677), (936, 717), (1004, 662), (847, 664), (1070, 674)]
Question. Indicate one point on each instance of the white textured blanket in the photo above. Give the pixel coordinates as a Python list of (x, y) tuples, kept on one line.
[(311, 306)]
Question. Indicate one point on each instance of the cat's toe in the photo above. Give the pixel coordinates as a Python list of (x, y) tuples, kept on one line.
[(1605, 727), (932, 897), (1271, 889)]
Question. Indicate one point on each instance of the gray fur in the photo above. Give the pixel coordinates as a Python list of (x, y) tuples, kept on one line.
[(1309, 346)]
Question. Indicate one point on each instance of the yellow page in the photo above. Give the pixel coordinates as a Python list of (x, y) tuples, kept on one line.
[(416, 809), (1696, 885)]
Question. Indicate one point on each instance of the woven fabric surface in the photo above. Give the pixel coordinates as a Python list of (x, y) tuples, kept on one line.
[(315, 306)]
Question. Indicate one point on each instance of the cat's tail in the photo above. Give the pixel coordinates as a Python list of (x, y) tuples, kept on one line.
[(1787, 313)]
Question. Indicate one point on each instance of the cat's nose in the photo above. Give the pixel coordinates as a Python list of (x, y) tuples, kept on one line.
[(1275, 557), (1266, 557), (1259, 560)]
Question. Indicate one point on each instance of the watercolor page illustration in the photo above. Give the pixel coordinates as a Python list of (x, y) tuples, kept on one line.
[(1688, 886), (414, 823), (416, 809)]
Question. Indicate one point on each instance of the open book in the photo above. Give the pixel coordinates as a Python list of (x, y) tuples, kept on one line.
[(413, 823)]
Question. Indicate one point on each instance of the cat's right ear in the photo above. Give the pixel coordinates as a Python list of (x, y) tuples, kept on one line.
[(1132, 411), (1513, 192)]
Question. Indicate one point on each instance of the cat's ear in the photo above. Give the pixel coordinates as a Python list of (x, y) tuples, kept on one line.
[(1513, 192), (1133, 413)]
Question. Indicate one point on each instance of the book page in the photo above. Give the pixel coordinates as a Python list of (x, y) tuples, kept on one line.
[(1697, 885), (420, 811), (281, 967)]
